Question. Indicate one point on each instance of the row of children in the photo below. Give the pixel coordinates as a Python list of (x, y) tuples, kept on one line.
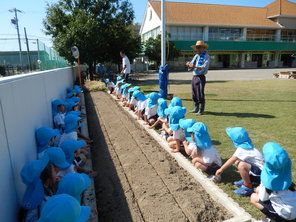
[(275, 196), (57, 179)]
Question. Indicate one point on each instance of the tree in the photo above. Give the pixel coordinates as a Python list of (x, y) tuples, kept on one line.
[(99, 28), (152, 49)]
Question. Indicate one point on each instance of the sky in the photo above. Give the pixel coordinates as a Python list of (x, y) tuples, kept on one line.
[(34, 13)]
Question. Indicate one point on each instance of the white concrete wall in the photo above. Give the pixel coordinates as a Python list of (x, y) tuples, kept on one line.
[(25, 105)]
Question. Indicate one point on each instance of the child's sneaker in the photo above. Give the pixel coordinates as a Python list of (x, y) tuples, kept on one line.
[(239, 183), (244, 191)]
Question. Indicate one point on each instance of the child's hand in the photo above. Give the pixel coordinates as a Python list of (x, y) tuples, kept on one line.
[(150, 127), (219, 172)]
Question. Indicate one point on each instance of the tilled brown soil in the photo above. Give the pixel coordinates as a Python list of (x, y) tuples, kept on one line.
[(138, 180)]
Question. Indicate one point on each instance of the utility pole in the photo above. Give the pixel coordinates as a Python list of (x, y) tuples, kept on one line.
[(15, 22), (163, 33), (28, 50)]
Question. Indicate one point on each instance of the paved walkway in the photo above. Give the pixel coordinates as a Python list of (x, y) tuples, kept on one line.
[(224, 75)]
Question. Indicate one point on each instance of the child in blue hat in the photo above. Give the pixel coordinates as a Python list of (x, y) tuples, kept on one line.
[(248, 160), (188, 143), (58, 159), (45, 138), (150, 115), (131, 102), (205, 157), (117, 88), (58, 111), (63, 207), (110, 85), (34, 194), (276, 195), (70, 128), (141, 104), (177, 133), (74, 184), (162, 117)]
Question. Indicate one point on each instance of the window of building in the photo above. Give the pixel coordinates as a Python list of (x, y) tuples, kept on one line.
[(185, 33), (288, 35), (260, 35), (225, 34)]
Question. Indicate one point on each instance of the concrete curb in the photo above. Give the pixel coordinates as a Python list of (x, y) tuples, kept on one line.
[(240, 215), (89, 196)]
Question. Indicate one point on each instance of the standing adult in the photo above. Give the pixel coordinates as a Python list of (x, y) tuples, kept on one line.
[(126, 66), (200, 65)]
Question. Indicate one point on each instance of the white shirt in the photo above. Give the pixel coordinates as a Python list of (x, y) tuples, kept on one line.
[(67, 136), (204, 66), (59, 119), (283, 202), (151, 111), (192, 146), (141, 105), (253, 156), (110, 85), (126, 62), (210, 156), (179, 134)]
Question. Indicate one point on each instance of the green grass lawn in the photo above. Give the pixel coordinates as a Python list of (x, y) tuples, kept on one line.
[(266, 109)]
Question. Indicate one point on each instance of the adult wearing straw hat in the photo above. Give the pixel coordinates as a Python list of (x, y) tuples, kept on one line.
[(200, 65)]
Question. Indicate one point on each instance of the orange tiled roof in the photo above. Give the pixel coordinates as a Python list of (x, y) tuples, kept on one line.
[(281, 7), (210, 14)]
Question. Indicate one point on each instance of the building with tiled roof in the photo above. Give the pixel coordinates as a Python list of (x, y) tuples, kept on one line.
[(239, 37)]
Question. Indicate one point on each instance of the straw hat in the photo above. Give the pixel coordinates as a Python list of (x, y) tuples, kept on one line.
[(200, 43)]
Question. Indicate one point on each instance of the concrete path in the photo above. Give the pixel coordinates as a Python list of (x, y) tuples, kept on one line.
[(224, 75)]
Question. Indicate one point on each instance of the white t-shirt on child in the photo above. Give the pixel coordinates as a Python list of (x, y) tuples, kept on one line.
[(59, 119), (151, 111), (253, 156), (142, 105), (283, 202), (67, 136), (210, 156), (110, 84), (192, 146), (179, 134)]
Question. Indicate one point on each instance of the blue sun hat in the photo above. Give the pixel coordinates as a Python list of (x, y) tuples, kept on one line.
[(30, 175), (131, 90), (74, 184), (162, 105), (185, 124), (57, 157), (69, 89), (139, 95), (63, 207), (201, 135), (71, 123), (240, 137), (119, 82), (69, 95), (106, 80), (77, 89), (74, 99), (152, 99), (77, 113), (70, 146), (55, 104), (176, 101), (276, 173), (69, 105), (175, 114), (124, 91), (118, 78), (43, 136)]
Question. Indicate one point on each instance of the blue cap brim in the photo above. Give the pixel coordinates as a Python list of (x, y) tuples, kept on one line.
[(84, 214), (174, 127)]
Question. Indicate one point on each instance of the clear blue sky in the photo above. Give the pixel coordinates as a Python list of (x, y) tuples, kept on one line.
[(34, 12)]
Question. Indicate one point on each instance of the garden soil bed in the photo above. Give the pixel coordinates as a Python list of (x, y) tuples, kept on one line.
[(138, 180)]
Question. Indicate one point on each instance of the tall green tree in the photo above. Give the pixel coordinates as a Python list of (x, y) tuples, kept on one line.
[(152, 49), (99, 28)]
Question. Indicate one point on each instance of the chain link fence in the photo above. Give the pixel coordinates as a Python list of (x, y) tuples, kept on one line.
[(39, 57)]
